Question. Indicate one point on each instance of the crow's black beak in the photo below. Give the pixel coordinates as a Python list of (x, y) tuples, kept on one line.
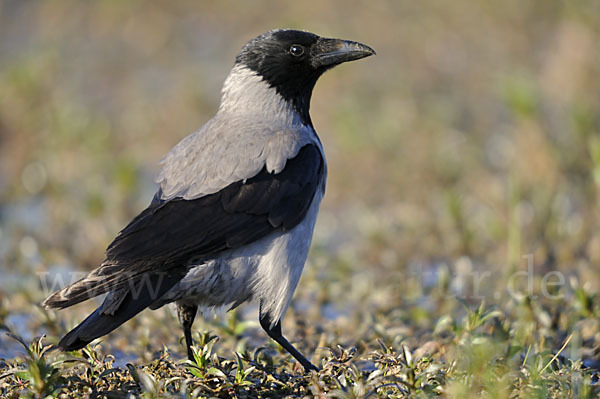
[(331, 52)]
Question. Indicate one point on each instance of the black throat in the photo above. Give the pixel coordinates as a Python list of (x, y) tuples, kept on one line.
[(299, 99)]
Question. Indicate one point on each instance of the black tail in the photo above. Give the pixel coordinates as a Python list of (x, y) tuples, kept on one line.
[(99, 323)]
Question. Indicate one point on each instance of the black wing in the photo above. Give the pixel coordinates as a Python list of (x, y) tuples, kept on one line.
[(169, 233)]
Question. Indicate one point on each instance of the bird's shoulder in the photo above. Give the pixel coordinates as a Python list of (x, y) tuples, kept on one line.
[(224, 151)]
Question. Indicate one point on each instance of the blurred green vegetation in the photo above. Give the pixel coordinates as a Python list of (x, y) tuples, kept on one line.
[(466, 151)]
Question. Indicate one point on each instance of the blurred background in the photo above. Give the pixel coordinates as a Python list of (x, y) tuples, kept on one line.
[(467, 150)]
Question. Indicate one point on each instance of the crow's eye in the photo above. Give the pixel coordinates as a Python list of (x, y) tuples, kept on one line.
[(296, 50)]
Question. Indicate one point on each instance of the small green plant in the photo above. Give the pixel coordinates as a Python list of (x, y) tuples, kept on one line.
[(405, 374), (241, 373), (470, 323), (202, 355), (43, 377)]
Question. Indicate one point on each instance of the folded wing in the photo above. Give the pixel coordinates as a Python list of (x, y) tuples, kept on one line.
[(166, 236)]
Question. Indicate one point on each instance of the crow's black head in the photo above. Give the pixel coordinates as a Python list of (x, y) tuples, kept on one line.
[(291, 61)]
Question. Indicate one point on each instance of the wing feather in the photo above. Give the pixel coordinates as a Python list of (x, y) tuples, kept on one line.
[(171, 232)]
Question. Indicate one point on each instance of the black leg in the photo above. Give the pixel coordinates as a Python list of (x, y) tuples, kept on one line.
[(275, 333), (186, 315)]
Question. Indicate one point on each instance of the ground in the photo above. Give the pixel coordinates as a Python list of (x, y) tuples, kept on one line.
[(457, 250)]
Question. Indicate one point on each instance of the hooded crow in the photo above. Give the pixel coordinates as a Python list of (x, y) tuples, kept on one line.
[(237, 202)]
